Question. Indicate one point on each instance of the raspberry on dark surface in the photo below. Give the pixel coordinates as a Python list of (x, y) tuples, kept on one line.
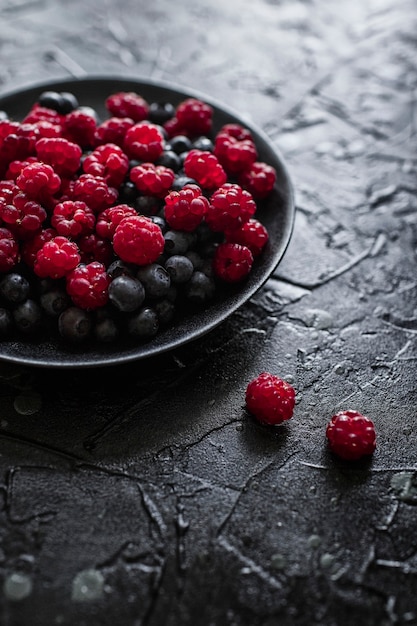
[(270, 399), (351, 435), (24, 217), (38, 181)]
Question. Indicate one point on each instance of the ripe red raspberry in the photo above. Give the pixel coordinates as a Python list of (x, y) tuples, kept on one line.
[(185, 209), (128, 104), (15, 167), (237, 131), (73, 218), (172, 127), (234, 155), (230, 207), (205, 168), (8, 190), (270, 399), (63, 155), (108, 161), (24, 217), (43, 114), (95, 248), (259, 179), (232, 262), (29, 248), (144, 141), (351, 435), (46, 129), (113, 130), (17, 142), (139, 240), (94, 191), (56, 258), (251, 234), (38, 181), (79, 127), (152, 180), (108, 219), (9, 250), (194, 116), (88, 285)]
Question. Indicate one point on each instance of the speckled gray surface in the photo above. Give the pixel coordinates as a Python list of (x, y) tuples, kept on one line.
[(145, 495)]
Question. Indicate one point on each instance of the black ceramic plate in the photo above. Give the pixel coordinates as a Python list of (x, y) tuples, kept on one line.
[(277, 215)]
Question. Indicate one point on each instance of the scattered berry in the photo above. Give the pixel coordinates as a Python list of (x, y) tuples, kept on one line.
[(75, 324), (23, 217), (110, 218), (270, 399), (351, 435)]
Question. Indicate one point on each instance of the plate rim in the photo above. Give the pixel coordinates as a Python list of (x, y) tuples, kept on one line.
[(147, 350)]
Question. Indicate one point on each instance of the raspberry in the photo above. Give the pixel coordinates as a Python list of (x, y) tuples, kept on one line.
[(128, 104), (9, 250), (194, 116), (205, 168), (38, 181), (15, 167), (17, 141), (29, 248), (144, 141), (232, 262), (152, 180), (230, 207), (88, 285), (56, 258), (47, 129), (24, 217), (237, 131), (113, 130), (270, 399), (108, 161), (109, 219), (95, 248), (172, 128), (63, 155), (94, 191), (251, 234), (8, 190), (185, 209), (79, 127), (139, 240), (259, 179), (73, 218), (43, 114), (234, 155), (351, 435)]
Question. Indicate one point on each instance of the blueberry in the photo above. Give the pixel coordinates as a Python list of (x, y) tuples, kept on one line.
[(155, 279), (55, 302), (127, 192), (170, 159), (144, 323), (195, 259), (165, 310), (6, 323), (161, 112), (181, 180), (119, 268), (126, 293), (147, 205), (200, 288), (51, 100), (177, 241), (203, 143), (180, 143), (180, 268), (69, 102), (27, 316), (158, 219), (14, 288), (91, 112), (105, 328), (74, 324)]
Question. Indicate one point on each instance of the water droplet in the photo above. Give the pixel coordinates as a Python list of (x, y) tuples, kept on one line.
[(290, 379), (314, 541), (327, 560), (278, 561), (339, 369), (87, 586), (27, 403), (239, 427), (17, 586)]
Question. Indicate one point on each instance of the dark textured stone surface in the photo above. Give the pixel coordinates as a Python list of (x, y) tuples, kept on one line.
[(144, 494)]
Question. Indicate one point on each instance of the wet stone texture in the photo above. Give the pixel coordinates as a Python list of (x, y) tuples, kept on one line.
[(145, 495)]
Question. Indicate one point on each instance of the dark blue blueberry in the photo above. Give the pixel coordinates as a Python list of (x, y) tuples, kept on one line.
[(69, 102), (14, 288), (177, 241), (170, 159), (6, 323), (203, 143), (181, 180), (180, 143), (27, 317), (155, 279), (143, 324), (55, 302), (126, 293), (165, 310), (200, 288), (158, 219), (119, 268), (75, 324), (147, 205), (127, 193), (105, 328), (180, 268), (51, 100), (195, 259), (160, 112)]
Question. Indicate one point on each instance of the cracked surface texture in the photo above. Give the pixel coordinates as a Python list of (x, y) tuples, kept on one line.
[(145, 495)]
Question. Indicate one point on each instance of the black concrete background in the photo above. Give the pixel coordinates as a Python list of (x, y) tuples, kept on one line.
[(145, 495)]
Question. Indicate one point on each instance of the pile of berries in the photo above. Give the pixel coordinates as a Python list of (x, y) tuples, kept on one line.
[(116, 227), (271, 400)]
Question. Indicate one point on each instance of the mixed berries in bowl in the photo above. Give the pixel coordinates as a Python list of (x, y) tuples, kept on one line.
[(121, 219)]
